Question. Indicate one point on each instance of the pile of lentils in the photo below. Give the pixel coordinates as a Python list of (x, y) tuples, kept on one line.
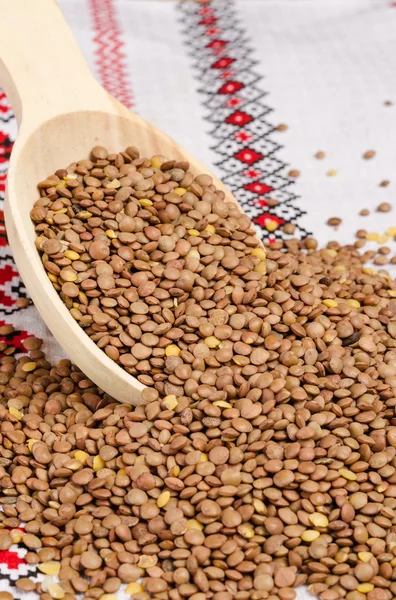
[(263, 455)]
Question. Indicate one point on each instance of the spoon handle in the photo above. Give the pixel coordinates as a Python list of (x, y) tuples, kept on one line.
[(41, 67)]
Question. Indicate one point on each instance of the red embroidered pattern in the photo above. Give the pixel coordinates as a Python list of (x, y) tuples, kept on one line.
[(110, 61), (110, 57), (11, 559), (231, 89)]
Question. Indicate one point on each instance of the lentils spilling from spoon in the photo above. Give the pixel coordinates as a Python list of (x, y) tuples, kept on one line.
[(263, 454)]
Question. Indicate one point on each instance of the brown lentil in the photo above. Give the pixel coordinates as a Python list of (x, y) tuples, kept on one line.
[(384, 207), (334, 221), (25, 584)]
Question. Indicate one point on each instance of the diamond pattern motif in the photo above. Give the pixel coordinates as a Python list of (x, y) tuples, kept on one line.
[(232, 93), (11, 286)]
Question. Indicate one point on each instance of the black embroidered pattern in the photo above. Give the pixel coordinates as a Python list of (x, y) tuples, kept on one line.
[(11, 286), (233, 97)]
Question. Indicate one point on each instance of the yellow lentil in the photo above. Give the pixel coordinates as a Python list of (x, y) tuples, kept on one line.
[(318, 520), (212, 342), (353, 303), (28, 367), (365, 556), (245, 531), (261, 268), (180, 191), (55, 591), (330, 303), (259, 252), (134, 588), (15, 413), (365, 588), (81, 456), (72, 255), (194, 524), (172, 350), (347, 474), (49, 567), (271, 225), (170, 401), (98, 463), (310, 535), (163, 499)]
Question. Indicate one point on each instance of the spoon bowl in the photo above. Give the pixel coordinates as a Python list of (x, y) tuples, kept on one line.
[(62, 113)]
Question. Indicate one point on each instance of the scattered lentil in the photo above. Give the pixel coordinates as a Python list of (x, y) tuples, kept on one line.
[(289, 228), (384, 207), (334, 221)]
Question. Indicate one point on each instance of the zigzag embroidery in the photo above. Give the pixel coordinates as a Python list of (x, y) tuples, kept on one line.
[(110, 58)]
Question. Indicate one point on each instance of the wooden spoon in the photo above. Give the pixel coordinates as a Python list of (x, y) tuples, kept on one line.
[(62, 112)]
